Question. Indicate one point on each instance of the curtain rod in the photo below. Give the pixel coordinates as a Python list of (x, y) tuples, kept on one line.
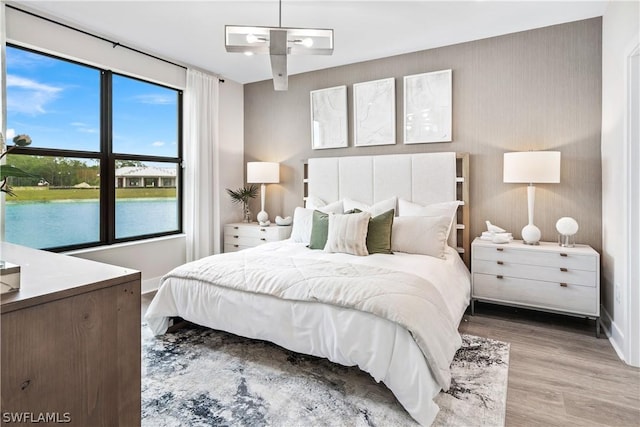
[(113, 43)]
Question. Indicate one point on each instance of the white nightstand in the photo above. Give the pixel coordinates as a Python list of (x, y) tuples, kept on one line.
[(244, 235), (544, 277)]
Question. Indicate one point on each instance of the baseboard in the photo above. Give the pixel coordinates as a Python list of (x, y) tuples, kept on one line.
[(613, 332), (150, 285)]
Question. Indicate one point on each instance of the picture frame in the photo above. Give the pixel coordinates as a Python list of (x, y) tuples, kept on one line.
[(374, 113), (428, 107), (329, 127)]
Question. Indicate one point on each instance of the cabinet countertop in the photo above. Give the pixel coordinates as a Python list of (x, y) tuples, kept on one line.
[(47, 276)]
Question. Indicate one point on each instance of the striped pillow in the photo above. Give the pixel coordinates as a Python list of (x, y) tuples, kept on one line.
[(348, 233)]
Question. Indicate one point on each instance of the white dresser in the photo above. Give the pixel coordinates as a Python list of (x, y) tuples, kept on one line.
[(545, 277), (243, 235)]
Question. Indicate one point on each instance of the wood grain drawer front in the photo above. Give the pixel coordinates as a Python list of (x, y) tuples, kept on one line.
[(547, 259), (525, 271), (535, 293)]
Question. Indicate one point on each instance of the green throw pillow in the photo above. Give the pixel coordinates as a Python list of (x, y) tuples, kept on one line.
[(319, 230), (379, 233)]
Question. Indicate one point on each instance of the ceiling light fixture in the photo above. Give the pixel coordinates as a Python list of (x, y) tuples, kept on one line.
[(278, 42)]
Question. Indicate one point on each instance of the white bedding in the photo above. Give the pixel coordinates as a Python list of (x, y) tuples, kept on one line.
[(350, 337)]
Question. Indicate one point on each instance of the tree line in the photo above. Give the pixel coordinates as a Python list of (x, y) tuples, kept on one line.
[(59, 171)]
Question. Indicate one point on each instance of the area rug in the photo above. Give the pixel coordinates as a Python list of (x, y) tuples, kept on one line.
[(202, 377)]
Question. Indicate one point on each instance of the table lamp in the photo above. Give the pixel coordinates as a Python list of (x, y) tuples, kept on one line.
[(532, 167), (263, 173)]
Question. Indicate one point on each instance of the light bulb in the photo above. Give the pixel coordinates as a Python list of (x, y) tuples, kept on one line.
[(248, 53), (308, 42), (252, 38)]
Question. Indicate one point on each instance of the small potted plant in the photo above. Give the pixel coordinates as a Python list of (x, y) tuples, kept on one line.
[(243, 195)]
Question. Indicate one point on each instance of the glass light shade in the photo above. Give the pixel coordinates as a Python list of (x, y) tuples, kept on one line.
[(532, 167)]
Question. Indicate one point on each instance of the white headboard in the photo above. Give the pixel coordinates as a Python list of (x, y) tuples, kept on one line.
[(423, 178)]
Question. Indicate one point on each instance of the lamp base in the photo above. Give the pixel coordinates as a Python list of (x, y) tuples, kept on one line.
[(263, 218), (531, 235)]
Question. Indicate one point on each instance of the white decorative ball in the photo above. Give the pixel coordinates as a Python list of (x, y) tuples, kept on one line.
[(531, 234), (262, 217), (567, 226)]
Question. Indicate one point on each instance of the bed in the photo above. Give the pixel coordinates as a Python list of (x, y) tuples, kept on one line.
[(394, 316)]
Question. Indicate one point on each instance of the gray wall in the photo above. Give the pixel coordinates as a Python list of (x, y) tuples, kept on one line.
[(533, 90)]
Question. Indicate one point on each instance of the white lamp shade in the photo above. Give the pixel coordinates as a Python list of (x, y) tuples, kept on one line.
[(263, 172), (532, 166)]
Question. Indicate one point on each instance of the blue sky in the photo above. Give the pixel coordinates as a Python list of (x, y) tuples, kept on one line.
[(57, 103)]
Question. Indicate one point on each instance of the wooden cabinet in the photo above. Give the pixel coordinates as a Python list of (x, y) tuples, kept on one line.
[(70, 341), (545, 277), (244, 235)]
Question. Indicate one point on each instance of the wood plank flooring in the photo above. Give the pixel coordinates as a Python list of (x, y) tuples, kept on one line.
[(559, 373)]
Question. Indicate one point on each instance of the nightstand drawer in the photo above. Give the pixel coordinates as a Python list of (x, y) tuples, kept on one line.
[(535, 293), (536, 257), (238, 230), (245, 240), (234, 248), (534, 272)]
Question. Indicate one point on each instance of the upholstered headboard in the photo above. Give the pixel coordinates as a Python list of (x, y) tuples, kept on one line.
[(423, 178)]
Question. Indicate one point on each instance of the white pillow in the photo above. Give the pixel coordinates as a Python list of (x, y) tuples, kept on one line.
[(348, 233), (374, 210), (302, 222), (313, 202), (425, 235), (450, 209)]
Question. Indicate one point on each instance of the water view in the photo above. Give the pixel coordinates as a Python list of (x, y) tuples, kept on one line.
[(55, 223)]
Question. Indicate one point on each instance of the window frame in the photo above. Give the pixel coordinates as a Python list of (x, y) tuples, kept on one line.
[(108, 159)]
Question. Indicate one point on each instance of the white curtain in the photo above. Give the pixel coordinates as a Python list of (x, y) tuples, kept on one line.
[(201, 173)]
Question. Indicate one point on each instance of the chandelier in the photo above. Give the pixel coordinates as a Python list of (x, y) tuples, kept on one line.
[(278, 42)]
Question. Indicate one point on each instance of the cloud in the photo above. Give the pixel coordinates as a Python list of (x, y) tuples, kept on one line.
[(29, 96), (158, 143), (83, 127), (155, 99)]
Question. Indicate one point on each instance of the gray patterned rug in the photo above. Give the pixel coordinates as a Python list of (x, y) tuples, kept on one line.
[(201, 377)]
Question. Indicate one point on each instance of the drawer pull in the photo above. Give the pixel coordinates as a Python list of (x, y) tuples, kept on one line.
[(263, 239), (499, 249), (262, 229), (499, 276), (235, 237), (563, 269), (562, 254), (500, 262), (564, 285), (236, 227), (236, 246)]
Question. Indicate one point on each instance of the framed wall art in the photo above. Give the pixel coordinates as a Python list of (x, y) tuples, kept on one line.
[(427, 107), (329, 118), (374, 113)]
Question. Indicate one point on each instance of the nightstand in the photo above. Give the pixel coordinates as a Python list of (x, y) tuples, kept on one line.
[(544, 277), (243, 235)]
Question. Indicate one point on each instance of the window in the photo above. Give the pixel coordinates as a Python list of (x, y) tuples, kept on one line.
[(105, 157)]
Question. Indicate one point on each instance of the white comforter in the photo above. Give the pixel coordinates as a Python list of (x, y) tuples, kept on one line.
[(398, 323)]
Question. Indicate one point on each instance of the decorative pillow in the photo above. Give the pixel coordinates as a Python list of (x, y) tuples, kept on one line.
[(379, 233), (425, 235), (319, 230), (348, 233), (450, 209), (302, 223), (313, 202), (375, 210)]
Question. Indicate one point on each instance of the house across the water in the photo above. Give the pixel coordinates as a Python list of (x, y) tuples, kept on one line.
[(134, 176)]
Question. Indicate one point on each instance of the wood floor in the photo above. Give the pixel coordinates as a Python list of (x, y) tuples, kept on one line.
[(559, 373)]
